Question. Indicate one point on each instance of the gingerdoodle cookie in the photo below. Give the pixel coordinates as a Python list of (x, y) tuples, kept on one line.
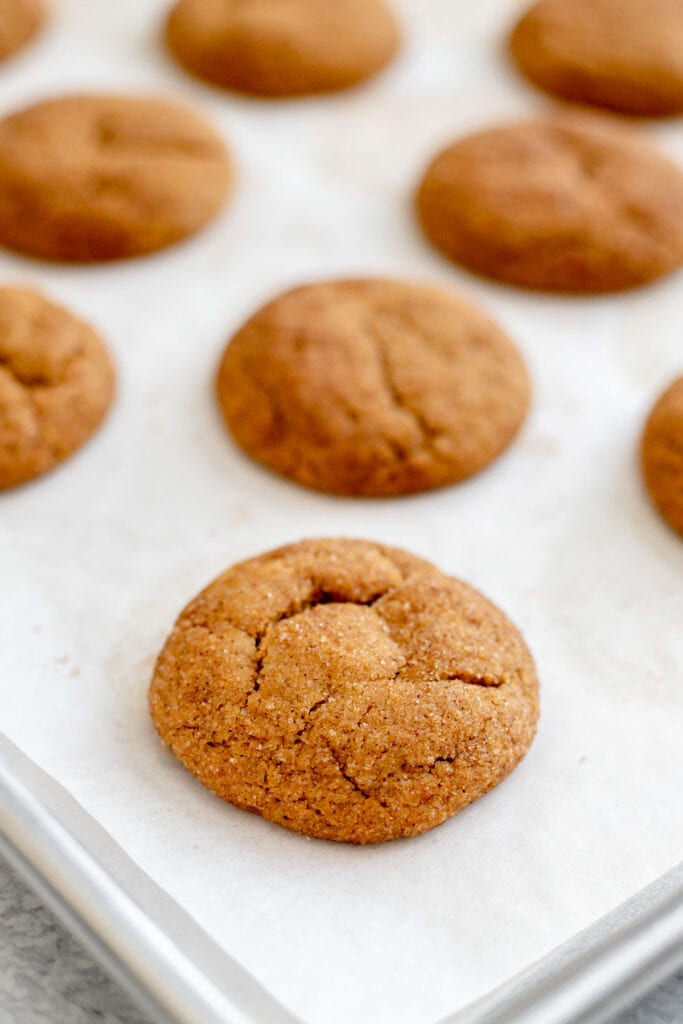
[(56, 384), (567, 205), (346, 690), (662, 455), (626, 55), (372, 387), (20, 20), (87, 178), (282, 48)]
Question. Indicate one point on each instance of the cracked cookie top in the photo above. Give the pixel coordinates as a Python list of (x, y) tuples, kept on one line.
[(346, 690), (20, 20), (280, 48), (372, 387), (87, 178), (662, 454), (626, 55), (56, 384), (562, 204)]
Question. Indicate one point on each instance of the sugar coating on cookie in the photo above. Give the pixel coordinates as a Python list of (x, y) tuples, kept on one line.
[(662, 455), (95, 177), (276, 48), (56, 384), (372, 387), (20, 20), (626, 55), (346, 690), (561, 204)]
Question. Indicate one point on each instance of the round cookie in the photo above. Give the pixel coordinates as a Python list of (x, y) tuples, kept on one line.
[(56, 384), (372, 387), (567, 205), (20, 20), (626, 55), (662, 455), (282, 48), (346, 690), (87, 178)]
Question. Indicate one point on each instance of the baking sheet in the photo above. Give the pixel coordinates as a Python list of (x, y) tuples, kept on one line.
[(174, 970), (97, 559)]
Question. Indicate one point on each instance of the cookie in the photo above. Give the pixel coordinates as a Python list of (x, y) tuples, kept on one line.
[(87, 178), (346, 690), (626, 55), (20, 20), (567, 205), (372, 387), (282, 47), (56, 384), (662, 455)]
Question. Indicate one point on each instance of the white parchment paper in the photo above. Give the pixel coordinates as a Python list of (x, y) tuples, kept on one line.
[(97, 559)]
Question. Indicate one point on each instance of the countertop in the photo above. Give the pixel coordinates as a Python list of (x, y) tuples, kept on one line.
[(47, 978)]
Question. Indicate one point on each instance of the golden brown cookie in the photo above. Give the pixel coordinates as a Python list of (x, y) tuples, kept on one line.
[(56, 384), (282, 47), (626, 55), (568, 205), (662, 455), (345, 690), (20, 20), (88, 178), (372, 387)]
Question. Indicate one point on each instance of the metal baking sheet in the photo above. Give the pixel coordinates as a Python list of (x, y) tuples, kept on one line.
[(98, 558), (179, 976)]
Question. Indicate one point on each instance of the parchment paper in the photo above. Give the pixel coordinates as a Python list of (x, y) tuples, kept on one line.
[(97, 559)]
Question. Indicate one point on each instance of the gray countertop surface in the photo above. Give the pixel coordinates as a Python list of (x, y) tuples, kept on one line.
[(47, 978)]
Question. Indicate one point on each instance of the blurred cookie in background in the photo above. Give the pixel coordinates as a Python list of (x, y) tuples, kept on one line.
[(566, 204), (626, 55), (279, 48), (662, 455), (96, 177), (20, 21), (56, 384)]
